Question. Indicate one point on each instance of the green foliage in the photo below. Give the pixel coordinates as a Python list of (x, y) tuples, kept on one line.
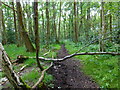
[(48, 79), (31, 76), (102, 68), (13, 51), (1, 74), (30, 62)]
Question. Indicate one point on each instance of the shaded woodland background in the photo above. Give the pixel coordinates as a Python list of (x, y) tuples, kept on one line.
[(57, 21), (38, 27)]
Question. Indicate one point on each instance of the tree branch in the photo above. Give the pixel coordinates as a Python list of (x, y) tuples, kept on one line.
[(41, 77), (76, 54), (11, 75), (8, 6)]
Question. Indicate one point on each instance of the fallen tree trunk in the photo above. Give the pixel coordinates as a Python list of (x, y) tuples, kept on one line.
[(70, 56), (11, 75), (76, 54)]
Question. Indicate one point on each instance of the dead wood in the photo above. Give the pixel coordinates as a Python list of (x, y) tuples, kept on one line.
[(41, 77), (11, 75), (75, 54)]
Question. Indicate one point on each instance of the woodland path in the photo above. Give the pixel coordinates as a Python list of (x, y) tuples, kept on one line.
[(67, 73)]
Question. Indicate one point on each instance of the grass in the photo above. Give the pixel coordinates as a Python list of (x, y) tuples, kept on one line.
[(102, 68), (32, 76)]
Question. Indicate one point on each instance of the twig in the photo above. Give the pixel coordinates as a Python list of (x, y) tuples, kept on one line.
[(8, 6), (42, 76), (46, 53), (21, 69)]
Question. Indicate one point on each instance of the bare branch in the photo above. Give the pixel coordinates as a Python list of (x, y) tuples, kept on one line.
[(41, 77), (21, 69), (46, 53), (8, 6), (76, 54), (11, 75)]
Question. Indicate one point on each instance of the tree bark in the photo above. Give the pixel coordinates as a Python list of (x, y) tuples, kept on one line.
[(59, 33), (48, 23), (15, 26), (12, 76), (54, 23), (102, 44), (88, 22), (36, 33), (4, 34), (75, 24), (111, 27), (25, 36), (74, 54), (0, 23)]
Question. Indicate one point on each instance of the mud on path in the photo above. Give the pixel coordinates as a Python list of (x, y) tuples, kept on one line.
[(67, 73)]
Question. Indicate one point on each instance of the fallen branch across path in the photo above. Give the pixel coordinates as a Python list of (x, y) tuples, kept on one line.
[(76, 54), (72, 55)]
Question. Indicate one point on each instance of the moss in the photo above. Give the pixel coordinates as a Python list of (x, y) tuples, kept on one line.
[(26, 86)]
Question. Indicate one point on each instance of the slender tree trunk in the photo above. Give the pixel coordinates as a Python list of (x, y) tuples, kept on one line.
[(54, 23), (0, 23), (48, 24), (29, 21), (4, 34), (111, 27), (25, 36), (36, 33), (59, 33), (81, 22), (15, 26), (88, 22), (43, 26), (102, 45), (64, 32), (75, 24)]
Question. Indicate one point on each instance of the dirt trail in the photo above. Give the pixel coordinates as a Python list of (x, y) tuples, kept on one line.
[(67, 73)]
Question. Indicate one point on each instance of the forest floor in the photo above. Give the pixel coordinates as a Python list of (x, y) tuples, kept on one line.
[(68, 73)]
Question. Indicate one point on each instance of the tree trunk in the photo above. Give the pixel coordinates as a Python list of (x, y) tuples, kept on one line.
[(48, 24), (59, 33), (4, 34), (75, 24), (88, 22), (111, 27), (15, 26), (25, 36), (0, 24), (11, 75), (43, 26), (54, 23), (29, 21), (101, 42), (36, 32)]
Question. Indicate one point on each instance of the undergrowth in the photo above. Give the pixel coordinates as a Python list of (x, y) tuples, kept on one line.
[(33, 75), (102, 68)]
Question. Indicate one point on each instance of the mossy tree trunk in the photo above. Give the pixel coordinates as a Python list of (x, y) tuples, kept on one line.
[(9, 72), (25, 37)]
